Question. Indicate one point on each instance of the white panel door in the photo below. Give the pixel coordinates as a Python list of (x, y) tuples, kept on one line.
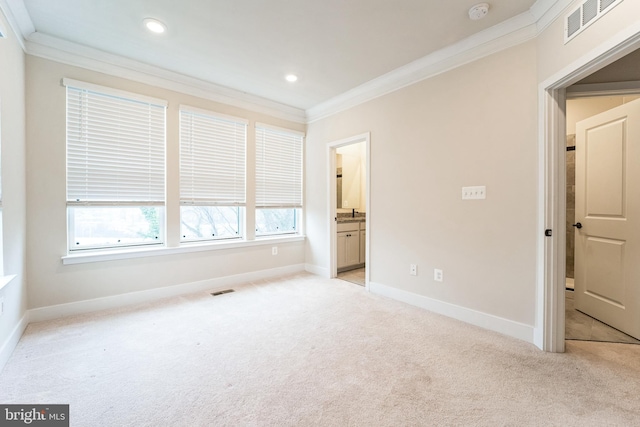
[(607, 253)]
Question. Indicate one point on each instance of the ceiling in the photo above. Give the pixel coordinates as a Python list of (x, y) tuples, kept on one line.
[(250, 45)]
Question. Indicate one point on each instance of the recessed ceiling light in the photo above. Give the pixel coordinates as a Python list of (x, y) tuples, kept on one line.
[(154, 25), (291, 78), (479, 11)]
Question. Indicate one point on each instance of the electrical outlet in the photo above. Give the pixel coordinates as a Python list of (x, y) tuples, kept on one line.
[(274, 250), (438, 275), (413, 269)]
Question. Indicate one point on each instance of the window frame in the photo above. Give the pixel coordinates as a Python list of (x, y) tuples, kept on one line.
[(214, 198), (297, 203), (155, 125)]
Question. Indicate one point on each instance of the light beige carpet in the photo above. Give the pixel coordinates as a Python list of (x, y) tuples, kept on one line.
[(305, 351)]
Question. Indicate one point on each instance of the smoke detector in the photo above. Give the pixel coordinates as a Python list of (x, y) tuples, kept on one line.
[(479, 11)]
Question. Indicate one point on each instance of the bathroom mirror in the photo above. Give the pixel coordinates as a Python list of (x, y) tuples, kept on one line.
[(348, 179)]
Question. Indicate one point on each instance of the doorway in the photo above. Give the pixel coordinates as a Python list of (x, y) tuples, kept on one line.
[(350, 209), (599, 161), (550, 328)]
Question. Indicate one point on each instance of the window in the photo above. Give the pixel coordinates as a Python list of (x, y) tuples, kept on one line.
[(212, 175), (278, 180), (115, 167)]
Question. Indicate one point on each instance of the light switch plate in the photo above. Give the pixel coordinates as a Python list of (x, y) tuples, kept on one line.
[(474, 193)]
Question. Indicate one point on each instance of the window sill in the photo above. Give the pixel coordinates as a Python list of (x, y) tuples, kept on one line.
[(98, 256), (5, 280)]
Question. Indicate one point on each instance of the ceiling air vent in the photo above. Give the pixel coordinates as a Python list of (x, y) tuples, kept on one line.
[(573, 23), (589, 11), (584, 15)]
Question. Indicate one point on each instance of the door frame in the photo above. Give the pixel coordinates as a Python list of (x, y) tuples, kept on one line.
[(549, 332), (333, 194)]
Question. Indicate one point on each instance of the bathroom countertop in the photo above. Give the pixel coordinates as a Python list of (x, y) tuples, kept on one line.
[(346, 217), (345, 220)]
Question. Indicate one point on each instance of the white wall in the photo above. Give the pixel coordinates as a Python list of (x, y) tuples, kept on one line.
[(51, 282), (12, 100), (474, 125)]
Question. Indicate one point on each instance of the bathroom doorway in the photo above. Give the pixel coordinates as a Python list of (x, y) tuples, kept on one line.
[(603, 139), (349, 205), (597, 304), (549, 333)]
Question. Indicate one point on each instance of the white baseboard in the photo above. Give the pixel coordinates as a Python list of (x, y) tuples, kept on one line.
[(115, 301), (477, 318), (317, 270), (12, 341)]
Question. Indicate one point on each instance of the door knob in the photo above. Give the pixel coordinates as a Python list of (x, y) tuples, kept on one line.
[(577, 225)]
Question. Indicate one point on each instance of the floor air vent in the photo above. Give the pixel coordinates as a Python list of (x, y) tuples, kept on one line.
[(226, 291), (584, 15)]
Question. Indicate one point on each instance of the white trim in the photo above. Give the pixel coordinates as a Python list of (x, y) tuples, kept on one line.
[(113, 92), (517, 30), (142, 252), (317, 270), (603, 89), (17, 17), (279, 129), (12, 340), (547, 11), (54, 49), (487, 321), (512, 32), (549, 329), (122, 300), (209, 113)]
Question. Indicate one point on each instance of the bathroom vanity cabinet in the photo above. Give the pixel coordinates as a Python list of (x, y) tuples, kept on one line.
[(351, 247)]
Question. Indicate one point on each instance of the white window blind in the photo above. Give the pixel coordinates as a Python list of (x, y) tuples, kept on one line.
[(212, 159), (278, 168), (115, 148)]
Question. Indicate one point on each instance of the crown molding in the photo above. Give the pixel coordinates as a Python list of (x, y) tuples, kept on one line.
[(514, 31), (494, 39), (18, 18), (547, 11), (55, 49)]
